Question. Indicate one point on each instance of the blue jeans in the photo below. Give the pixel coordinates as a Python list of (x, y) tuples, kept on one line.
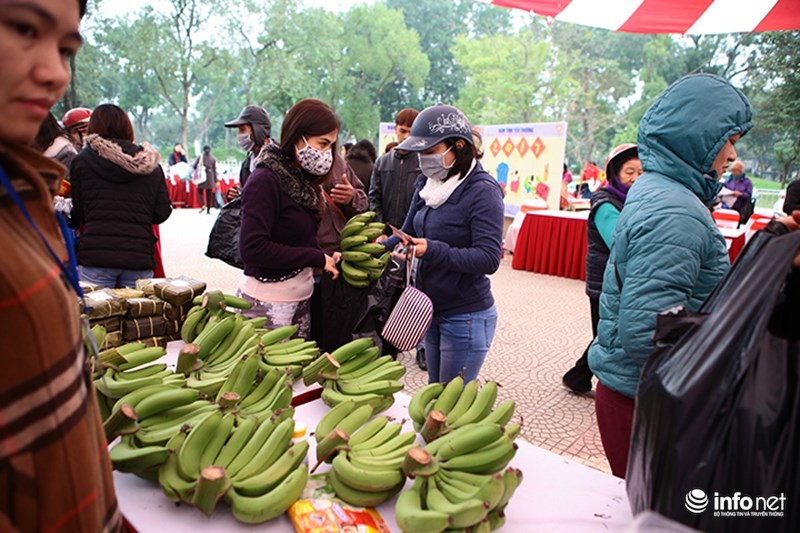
[(112, 278), (457, 344)]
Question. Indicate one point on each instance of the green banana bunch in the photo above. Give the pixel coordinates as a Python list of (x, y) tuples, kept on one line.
[(359, 266), (115, 384), (369, 472), (458, 404), (127, 457), (452, 500), (362, 377), (345, 417), (259, 509), (162, 413), (328, 364), (412, 517)]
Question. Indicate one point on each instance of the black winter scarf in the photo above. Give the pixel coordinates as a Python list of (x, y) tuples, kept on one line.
[(294, 181)]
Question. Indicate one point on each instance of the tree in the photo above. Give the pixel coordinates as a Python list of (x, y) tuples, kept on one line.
[(507, 77), (780, 63), (176, 49), (437, 23), (379, 51)]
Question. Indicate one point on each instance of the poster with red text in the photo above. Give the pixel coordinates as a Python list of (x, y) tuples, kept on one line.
[(526, 159)]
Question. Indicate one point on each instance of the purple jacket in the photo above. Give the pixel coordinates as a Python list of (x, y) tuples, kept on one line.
[(277, 235), (743, 185)]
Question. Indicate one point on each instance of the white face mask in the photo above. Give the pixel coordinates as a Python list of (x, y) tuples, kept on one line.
[(313, 160), (246, 141), (433, 166)]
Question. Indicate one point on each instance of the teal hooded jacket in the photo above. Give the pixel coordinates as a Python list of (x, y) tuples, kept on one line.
[(666, 249)]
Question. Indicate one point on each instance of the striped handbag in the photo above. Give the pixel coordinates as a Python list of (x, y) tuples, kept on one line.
[(411, 316)]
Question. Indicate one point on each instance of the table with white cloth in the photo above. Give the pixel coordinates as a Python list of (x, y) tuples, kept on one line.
[(557, 494)]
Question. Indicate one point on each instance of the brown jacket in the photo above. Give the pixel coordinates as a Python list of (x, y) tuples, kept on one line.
[(55, 474), (335, 216)]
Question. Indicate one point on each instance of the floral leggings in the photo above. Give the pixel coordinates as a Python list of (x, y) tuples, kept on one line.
[(281, 314)]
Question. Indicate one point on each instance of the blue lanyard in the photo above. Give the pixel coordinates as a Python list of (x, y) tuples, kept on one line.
[(70, 269)]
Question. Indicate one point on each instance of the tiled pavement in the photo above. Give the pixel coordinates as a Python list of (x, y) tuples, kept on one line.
[(544, 327)]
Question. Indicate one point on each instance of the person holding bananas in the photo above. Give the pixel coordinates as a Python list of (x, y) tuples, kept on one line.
[(455, 221), (55, 473), (282, 205)]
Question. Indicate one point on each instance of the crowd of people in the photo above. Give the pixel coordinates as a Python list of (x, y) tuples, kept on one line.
[(653, 243)]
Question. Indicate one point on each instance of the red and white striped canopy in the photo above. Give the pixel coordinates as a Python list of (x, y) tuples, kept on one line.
[(668, 16)]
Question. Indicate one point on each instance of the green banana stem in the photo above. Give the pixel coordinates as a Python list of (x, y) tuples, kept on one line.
[(211, 487), (188, 359), (333, 442), (214, 300), (419, 463), (121, 422), (435, 426), (228, 400)]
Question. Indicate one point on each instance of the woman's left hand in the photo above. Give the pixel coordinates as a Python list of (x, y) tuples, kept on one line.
[(330, 265), (420, 246)]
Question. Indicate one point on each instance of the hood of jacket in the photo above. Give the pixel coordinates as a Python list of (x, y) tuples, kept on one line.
[(121, 161), (687, 126)]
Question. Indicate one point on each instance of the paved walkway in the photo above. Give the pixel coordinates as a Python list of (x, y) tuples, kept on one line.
[(544, 327)]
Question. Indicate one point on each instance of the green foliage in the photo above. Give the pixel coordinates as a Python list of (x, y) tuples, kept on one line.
[(184, 67), (379, 51)]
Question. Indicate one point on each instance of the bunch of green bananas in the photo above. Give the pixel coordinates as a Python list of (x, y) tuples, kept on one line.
[(452, 500), (252, 465), (122, 370), (359, 265), (355, 372), (235, 338), (209, 308), (436, 408), (460, 481), (255, 389), (159, 412), (291, 355), (366, 455), (155, 414)]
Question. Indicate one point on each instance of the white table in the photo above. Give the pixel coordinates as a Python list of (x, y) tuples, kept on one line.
[(556, 495)]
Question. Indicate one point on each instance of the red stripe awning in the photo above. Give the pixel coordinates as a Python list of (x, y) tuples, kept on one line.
[(669, 16)]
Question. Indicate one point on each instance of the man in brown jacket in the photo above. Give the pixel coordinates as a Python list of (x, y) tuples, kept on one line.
[(55, 474)]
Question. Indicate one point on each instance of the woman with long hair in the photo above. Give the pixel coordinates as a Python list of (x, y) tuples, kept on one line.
[(282, 204), (118, 194)]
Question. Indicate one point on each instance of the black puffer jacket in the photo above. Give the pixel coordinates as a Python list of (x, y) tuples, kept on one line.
[(118, 193), (392, 186)]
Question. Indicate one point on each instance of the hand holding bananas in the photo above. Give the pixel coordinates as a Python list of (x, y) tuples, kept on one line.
[(363, 259)]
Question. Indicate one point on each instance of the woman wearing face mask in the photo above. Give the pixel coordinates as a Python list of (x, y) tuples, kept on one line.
[(55, 473), (622, 169), (456, 220), (281, 210)]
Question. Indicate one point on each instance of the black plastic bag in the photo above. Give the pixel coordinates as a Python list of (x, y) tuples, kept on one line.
[(718, 404), (223, 241), (346, 312)]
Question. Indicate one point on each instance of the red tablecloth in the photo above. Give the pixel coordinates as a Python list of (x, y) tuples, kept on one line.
[(183, 194), (736, 239), (554, 243)]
